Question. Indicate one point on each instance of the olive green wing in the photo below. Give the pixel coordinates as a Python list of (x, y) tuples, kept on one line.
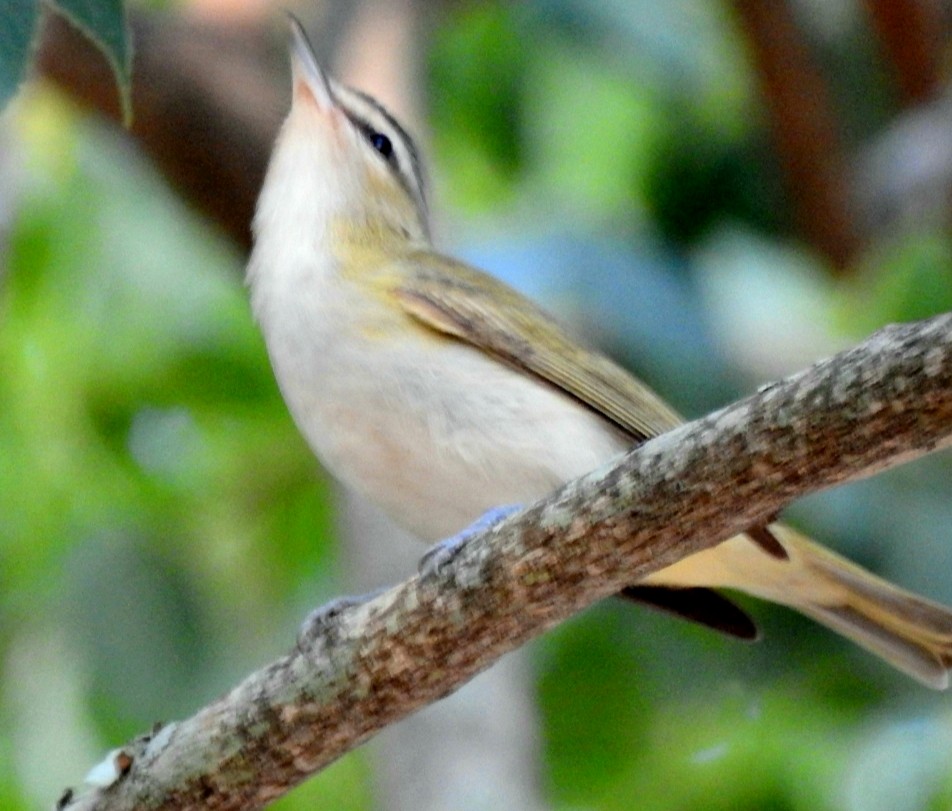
[(464, 303), (470, 305), (467, 304)]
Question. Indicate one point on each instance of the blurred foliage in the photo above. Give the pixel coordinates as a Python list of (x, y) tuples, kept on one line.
[(698, 179), (103, 21), (163, 527), (482, 62), (908, 278), (138, 410), (17, 28)]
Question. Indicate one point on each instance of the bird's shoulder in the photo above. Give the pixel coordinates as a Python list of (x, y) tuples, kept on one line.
[(469, 304)]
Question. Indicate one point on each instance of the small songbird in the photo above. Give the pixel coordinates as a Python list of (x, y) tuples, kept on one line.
[(439, 393)]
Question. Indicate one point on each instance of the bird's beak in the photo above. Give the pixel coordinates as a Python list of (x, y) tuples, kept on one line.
[(310, 81)]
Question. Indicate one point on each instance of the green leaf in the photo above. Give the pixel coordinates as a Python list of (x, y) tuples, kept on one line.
[(104, 22), (18, 20)]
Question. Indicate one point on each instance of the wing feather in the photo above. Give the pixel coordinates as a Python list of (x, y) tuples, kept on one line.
[(465, 303), (484, 312)]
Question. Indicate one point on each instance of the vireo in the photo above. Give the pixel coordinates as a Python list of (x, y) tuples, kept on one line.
[(440, 393)]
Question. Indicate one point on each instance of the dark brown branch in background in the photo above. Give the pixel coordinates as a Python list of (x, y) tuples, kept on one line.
[(207, 102), (912, 36), (885, 402), (804, 127)]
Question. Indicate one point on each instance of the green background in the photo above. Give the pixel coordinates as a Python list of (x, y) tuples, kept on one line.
[(163, 528)]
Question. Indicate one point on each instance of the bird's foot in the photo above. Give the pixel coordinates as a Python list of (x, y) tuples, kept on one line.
[(442, 553), (322, 618)]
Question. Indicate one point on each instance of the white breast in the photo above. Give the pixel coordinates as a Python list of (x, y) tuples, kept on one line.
[(432, 430)]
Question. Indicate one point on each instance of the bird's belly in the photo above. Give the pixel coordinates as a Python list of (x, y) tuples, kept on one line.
[(436, 443)]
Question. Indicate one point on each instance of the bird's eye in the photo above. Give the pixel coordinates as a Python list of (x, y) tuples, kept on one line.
[(381, 143)]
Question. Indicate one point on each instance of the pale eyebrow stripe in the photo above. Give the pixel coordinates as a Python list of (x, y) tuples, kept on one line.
[(404, 136)]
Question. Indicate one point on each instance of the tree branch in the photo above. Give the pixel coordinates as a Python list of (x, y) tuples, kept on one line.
[(364, 666), (804, 126), (913, 37)]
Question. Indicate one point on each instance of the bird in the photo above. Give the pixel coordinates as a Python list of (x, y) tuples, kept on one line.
[(439, 393)]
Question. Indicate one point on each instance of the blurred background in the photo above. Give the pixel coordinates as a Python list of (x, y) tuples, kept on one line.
[(717, 192)]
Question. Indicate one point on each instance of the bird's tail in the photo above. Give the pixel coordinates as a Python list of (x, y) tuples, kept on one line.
[(911, 633)]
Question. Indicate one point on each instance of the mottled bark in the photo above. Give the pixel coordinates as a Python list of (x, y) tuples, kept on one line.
[(885, 402)]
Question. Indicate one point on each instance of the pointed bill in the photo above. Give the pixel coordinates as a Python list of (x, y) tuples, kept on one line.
[(307, 73)]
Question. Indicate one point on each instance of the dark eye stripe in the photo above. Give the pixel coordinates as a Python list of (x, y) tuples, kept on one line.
[(404, 137), (411, 180)]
